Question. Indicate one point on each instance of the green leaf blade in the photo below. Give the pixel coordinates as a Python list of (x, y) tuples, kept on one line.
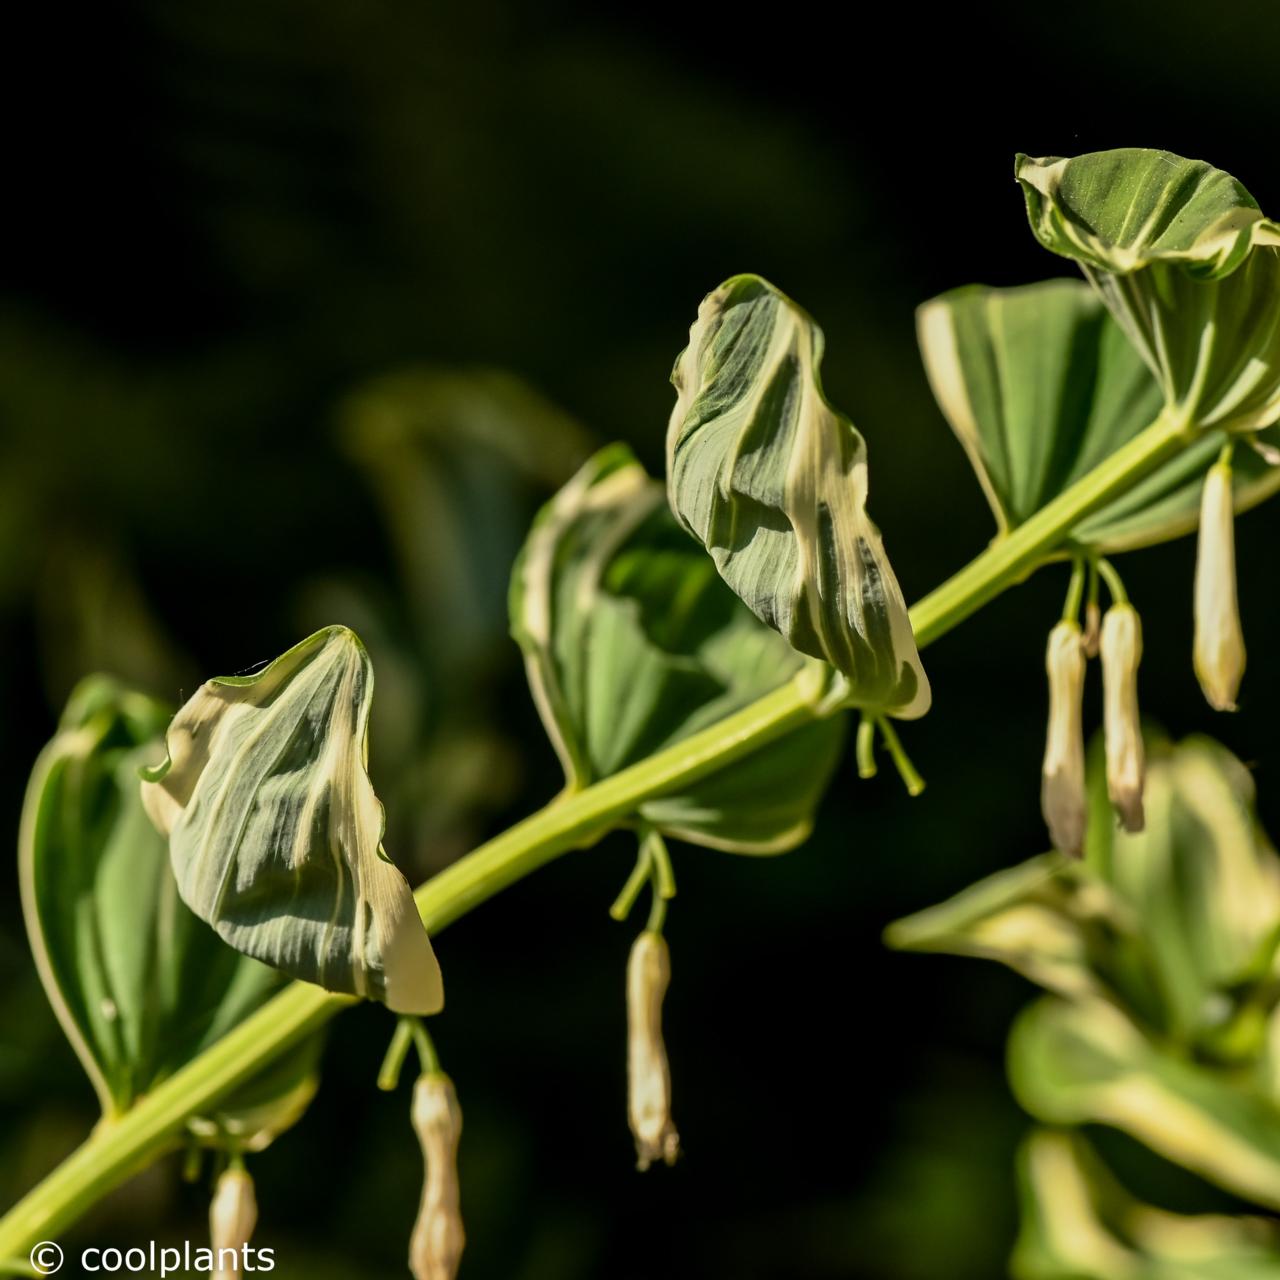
[(632, 642), (1084, 1062), (1188, 266), (1077, 1221), (1040, 385), (1121, 210), (138, 983)]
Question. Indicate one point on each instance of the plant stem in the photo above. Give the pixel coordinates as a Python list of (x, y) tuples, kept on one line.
[(120, 1147), (1011, 558)]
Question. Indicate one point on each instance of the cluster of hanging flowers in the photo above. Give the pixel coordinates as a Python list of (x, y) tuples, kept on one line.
[(1116, 638)]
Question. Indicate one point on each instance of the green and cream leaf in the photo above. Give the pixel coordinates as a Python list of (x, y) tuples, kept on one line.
[(1202, 878), (1040, 919), (1041, 386), (1121, 210), (140, 985), (773, 482), (275, 832), (1084, 1062), (632, 642), (1077, 1221), (1187, 264)]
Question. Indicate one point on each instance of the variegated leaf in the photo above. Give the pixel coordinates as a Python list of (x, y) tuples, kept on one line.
[(1078, 1223), (1124, 209), (275, 832), (632, 643), (773, 482), (1177, 923), (1085, 1062), (1040, 386), (1203, 881), (139, 984), (1188, 265), (1044, 918)]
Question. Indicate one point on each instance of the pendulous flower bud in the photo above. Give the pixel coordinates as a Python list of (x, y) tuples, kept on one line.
[(1121, 649), (1219, 655), (435, 1248), (1092, 629), (233, 1214), (1062, 793), (648, 1076)]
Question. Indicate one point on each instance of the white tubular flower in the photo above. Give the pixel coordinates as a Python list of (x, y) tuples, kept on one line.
[(648, 1076), (435, 1248), (1121, 649), (233, 1214), (1219, 654), (1062, 794)]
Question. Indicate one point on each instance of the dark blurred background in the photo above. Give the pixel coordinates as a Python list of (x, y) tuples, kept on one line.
[(257, 259)]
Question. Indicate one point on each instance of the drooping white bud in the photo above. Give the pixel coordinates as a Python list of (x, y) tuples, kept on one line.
[(1062, 792), (233, 1214), (1121, 649), (1219, 654), (648, 1075), (435, 1248), (1092, 629)]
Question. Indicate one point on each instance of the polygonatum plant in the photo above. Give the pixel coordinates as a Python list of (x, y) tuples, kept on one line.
[(1160, 952), (691, 660)]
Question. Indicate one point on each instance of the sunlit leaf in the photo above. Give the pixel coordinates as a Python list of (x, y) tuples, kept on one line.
[(1085, 1062), (773, 482), (632, 642), (1040, 385), (1187, 264), (275, 832), (139, 984), (1078, 1223)]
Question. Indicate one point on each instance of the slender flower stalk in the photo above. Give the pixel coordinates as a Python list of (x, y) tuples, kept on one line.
[(648, 1075), (233, 1214), (435, 1248), (1062, 788), (1219, 654), (1121, 650)]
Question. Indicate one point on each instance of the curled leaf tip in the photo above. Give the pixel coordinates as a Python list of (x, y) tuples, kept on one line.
[(275, 832), (1124, 209), (772, 480), (1187, 264)]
